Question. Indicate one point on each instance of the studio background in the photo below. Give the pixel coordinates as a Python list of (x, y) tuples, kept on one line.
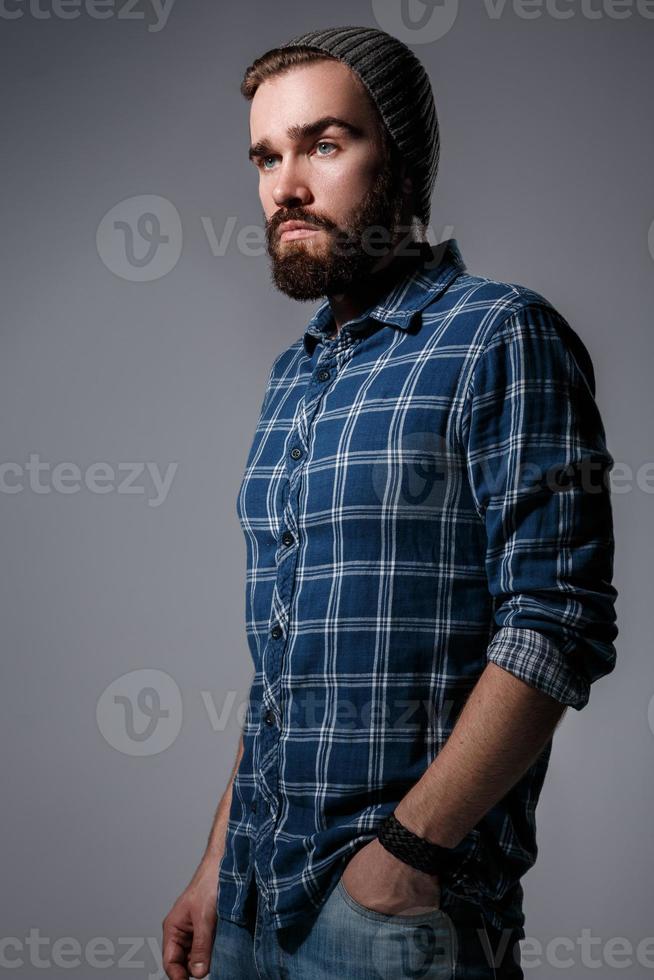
[(155, 371)]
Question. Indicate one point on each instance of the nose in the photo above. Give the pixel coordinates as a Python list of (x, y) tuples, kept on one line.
[(290, 189)]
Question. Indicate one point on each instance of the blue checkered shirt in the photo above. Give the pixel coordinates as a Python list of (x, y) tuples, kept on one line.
[(426, 491)]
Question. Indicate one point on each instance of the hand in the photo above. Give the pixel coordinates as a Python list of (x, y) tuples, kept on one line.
[(378, 880), (190, 926)]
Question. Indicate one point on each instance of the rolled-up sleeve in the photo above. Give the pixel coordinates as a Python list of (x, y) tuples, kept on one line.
[(538, 467)]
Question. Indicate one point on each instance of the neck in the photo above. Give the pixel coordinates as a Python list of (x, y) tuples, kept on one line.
[(347, 306)]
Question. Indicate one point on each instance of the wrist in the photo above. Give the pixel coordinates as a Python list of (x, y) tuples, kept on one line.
[(209, 864), (420, 853), (423, 827), (392, 866)]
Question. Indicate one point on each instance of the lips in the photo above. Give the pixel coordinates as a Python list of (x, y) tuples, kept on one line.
[(288, 236), (291, 230), (296, 225)]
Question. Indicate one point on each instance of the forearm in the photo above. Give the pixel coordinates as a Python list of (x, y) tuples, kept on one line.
[(216, 842), (502, 728)]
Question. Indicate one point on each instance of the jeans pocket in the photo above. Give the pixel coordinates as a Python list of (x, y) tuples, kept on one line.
[(398, 945), (410, 918)]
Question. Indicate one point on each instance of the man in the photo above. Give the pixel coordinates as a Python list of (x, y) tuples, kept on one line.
[(429, 538)]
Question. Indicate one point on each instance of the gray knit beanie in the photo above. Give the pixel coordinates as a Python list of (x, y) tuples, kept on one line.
[(401, 90)]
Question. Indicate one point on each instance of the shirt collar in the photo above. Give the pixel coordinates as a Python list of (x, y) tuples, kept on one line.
[(422, 284)]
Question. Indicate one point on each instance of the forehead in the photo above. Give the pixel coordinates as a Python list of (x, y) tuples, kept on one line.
[(322, 88)]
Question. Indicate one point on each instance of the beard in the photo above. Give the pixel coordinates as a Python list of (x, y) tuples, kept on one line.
[(307, 269)]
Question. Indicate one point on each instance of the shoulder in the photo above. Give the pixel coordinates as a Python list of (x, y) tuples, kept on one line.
[(483, 304), (499, 316)]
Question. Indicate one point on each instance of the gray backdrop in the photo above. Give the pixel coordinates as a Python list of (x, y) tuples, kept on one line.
[(128, 359)]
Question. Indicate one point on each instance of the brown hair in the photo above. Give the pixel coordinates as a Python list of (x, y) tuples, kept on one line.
[(280, 60)]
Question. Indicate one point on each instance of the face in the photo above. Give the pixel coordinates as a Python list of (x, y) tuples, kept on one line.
[(322, 162)]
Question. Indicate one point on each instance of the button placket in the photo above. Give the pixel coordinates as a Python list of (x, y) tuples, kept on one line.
[(331, 361)]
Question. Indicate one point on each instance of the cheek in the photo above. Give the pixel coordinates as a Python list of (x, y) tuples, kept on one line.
[(266, 198), (340, 189)]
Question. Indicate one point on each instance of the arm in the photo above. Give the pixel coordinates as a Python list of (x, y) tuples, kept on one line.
[(503, 727), (216, 842), (530, 429), (189, 927)]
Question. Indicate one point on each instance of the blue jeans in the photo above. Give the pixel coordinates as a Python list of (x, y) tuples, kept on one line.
[(348, 941)]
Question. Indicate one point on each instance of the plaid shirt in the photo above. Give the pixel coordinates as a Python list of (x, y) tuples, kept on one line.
[(425, 492)]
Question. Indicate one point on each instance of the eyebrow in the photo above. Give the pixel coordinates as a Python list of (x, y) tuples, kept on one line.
[(304, 131)]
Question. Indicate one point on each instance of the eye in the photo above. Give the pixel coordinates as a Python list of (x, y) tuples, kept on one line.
[(270, 159), (325, 143)]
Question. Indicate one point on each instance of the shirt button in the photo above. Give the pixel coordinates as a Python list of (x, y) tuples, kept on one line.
[(323, 375), (269, 717), (276, 631), (253, 806), (296, 453), (287, 537)]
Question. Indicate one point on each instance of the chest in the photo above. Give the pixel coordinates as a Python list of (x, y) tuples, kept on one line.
[(365, 435)]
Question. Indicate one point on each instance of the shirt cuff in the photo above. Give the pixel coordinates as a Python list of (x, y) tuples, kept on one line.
[(540, 663)]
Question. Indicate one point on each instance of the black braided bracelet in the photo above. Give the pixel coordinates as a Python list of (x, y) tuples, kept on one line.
[(418, 852)]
